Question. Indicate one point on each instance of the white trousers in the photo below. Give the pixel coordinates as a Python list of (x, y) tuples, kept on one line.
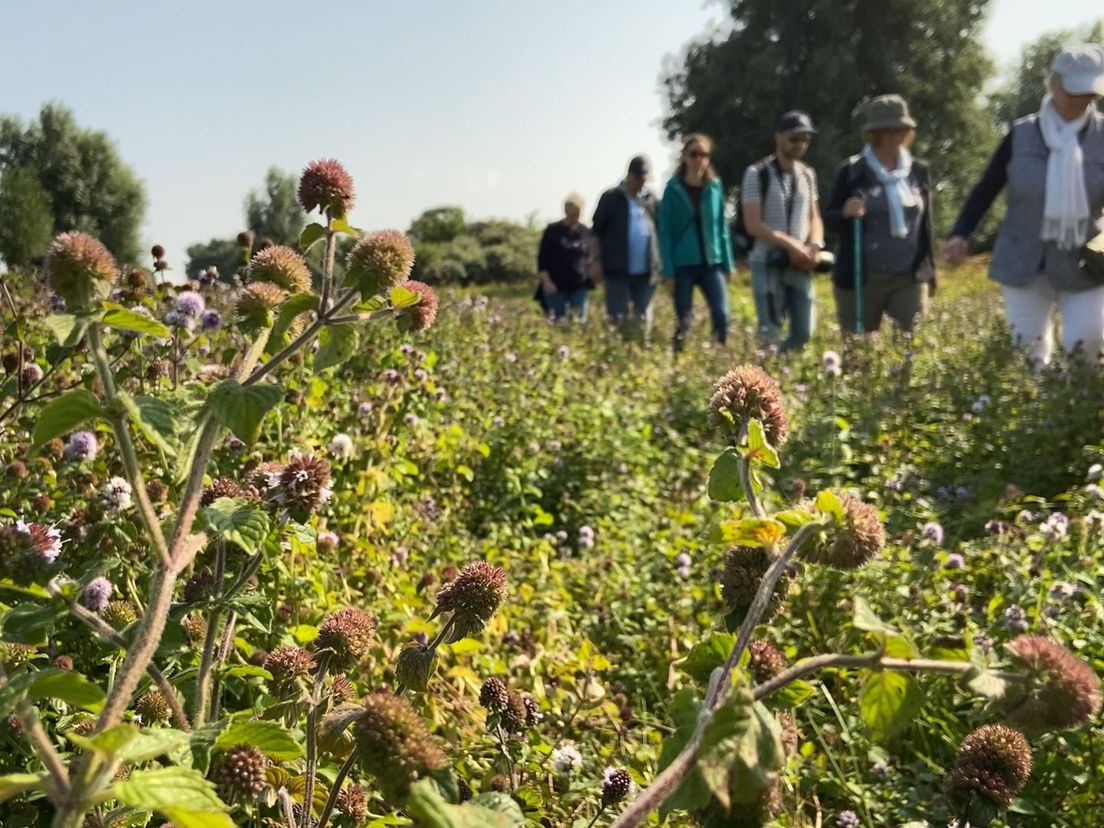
[(1029, 309)]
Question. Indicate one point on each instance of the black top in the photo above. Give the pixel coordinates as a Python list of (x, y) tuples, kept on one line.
[(694, 191), (563, 254), (986, 190)]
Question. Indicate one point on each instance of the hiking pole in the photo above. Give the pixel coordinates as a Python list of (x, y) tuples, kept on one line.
[(858, 272)]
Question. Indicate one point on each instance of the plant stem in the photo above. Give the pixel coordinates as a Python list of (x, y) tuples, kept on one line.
[(41, 744), (327, 271), (312, 738), (289, 808), (203, 676), (331, 800), (506, 755), (601, 810)]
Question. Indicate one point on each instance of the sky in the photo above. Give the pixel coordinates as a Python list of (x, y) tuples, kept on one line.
[(499, 106)]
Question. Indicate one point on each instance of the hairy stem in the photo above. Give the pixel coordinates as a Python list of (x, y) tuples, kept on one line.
[(210, 640), (41, 744), (312, 738), (601, 810), (331, 800)]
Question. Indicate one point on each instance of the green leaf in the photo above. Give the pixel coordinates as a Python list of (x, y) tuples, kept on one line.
[(236, 520), (30, 623), (340, 225), (692, 793), (270, 738), (403, 297), (794, 519), (793, 694), (762, 532), (293, 306), (864, 618), (180, 794), (888, 701), (706, 656), (69, 686), (120, 318), (154, 417), (336, 343), (430, 810), (311, 235), (241, 408), (741, 750), (64, 414), (66, 327), (724, 477), (758, 449), (985, 683), (14, 784), (827, 502)]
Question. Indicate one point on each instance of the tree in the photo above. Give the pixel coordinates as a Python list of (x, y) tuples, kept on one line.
[(276, 213), (88, 186), (225, 254), (26, 222), (1021, 95), (825, 56), (439, 224), (450, 250)]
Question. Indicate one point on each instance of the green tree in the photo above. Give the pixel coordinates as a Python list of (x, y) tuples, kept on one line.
[(1021, 94), (26, 222), (88, 185), (439, 224), (275, 212), (450, 250), (825, 56), (225, 254)]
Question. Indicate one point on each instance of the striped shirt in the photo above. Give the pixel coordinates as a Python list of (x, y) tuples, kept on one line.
[(779, 191)]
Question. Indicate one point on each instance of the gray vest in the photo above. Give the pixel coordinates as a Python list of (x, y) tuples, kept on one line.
[(1020, 255)]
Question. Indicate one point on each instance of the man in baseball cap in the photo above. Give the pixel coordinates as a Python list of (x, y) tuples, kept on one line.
[(1080, 69)]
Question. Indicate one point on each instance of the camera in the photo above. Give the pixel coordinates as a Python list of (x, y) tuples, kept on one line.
[(778, 258)]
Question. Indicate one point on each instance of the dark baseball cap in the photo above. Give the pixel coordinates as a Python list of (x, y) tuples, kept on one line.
[(794, 121), (639, 165)]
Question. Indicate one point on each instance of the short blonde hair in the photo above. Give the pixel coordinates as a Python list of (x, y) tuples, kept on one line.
[(576, 200)]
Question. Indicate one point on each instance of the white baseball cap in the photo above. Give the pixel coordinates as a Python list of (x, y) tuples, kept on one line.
[(1081, 68)]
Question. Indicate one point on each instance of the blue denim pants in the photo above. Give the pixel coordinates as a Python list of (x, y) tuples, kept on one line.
[(711, 280), (791, 294), (564, 303), (624, 289)]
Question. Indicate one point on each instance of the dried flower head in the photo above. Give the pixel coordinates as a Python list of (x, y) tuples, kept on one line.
[(239, 774), (765, 661), (302, 485), (493, 695), (346, 636), (380, 261), (994, 762), (289, 666), (424, 314), (119, 614), (616, 785), (472, 598), (352, 802), (79, 268), (853, 539), (157, 251), (280, 266), (415, 666), (515, 715), (748, 393), (394, 745), (258, 299), (27, 550), (325, 185), (744, 568), (245, 238), (152, 707), (1062, 692), (220, 487), (342, 690)]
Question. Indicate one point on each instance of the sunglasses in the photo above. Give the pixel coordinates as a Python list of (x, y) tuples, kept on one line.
[(697, 154), (800, 139)]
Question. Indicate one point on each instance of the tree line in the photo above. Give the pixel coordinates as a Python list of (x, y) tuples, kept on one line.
[(823, 56)]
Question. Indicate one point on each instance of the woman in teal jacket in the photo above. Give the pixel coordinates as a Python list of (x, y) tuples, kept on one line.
[(694, 241)]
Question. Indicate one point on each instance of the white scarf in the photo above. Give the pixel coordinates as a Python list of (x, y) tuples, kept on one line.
[(1066, 210), (899, 194)]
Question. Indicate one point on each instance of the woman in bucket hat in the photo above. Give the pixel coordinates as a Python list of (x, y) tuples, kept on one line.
[(889, 194), (1053, 164)]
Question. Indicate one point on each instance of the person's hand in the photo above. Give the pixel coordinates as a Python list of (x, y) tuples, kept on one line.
[(803, 257), (596, 274), (854, 207), (954, 250), (548, 285)]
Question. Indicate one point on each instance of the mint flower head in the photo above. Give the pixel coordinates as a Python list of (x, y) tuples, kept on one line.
[(81, 445), (933, 532), (97, 594), (341, 446), (240, 774), (79, 268), (743, 570), (280, 266), (472, 598), (380, 260), (27, 550), (301, 485), (117, 494), (326, 185), (992, 763), (748, 393), (394, 745), (345, 636), (258, 299), (616, 785), (1063, 691), (190, 304)]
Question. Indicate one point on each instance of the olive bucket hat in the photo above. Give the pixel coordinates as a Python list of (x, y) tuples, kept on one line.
[(887, 112)]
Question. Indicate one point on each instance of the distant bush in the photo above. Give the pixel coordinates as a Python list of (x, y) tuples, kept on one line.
[(452, 250)]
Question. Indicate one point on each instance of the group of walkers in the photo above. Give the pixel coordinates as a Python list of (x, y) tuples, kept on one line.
[(880, 212)]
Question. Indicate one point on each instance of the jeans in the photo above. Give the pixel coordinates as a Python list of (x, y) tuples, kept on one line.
[(623, 289), (778, 295), (711, 280), (1029, 313), (562, 301)]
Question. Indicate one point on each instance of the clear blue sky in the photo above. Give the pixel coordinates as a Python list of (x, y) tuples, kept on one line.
[(498, 105)]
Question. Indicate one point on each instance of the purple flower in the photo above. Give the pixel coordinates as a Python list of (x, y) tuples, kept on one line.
[(327, 540), (498, 422), (564, 351), (983, 642), (421, 375), (961, 492), (1015, 618), (190, 304), (511, 357), (392, 377), (97, 594), (82, 445), (954, 561), (1054, 527), (933, 532), (176, 319), (683, 559), (831, 364), (117, 493), (411, 419), (848, 819), (210, 320), (586, 537), (1096, 471), (996, 527)]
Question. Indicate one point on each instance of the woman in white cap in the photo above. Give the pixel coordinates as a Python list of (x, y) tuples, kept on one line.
[(1053, 164)]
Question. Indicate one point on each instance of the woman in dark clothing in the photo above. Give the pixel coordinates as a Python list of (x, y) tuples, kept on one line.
[(562, 262), (890, 193)]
